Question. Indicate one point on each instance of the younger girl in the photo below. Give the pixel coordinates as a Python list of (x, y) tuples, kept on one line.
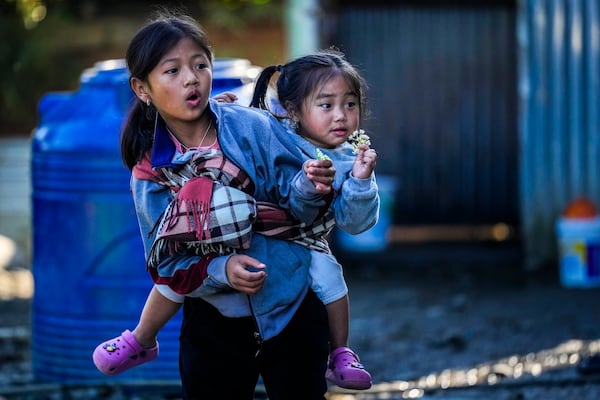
[(324, 97)]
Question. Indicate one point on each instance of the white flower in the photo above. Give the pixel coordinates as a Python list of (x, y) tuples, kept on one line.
[(321, 155), (357, 138)]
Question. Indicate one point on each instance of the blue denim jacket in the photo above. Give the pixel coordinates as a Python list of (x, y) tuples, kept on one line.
[(259, 144)]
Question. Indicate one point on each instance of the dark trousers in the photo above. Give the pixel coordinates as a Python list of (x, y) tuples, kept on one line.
[(218, 355)]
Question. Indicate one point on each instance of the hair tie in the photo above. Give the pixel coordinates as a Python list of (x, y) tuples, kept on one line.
[(279, 68)]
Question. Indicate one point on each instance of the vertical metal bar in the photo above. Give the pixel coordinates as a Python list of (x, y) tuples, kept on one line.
[(592, 98), (577, 160), (557, 109)]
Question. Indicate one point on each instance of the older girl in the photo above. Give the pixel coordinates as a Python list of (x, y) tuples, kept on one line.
[(247, 313)]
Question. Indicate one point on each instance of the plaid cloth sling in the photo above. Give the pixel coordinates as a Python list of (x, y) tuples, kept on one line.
[(212, 212)]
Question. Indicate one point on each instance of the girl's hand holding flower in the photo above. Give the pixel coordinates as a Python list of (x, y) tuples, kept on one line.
[(365, 162)]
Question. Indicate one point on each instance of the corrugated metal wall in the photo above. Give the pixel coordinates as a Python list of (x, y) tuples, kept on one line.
[(559, 45), (443, 102)]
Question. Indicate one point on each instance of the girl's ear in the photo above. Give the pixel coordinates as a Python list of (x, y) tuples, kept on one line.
[(292, 113), (139, 88)]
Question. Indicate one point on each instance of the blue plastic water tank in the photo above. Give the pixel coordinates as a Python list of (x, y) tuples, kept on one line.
[(88, 261)]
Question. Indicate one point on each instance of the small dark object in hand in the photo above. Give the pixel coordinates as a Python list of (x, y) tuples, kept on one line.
[(590, 365)]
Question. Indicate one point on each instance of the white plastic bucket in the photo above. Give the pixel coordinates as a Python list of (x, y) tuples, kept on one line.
[(579, 250)]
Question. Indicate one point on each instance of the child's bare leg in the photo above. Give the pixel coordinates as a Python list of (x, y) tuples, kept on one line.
[(338, 315), (157, 311), (344, 369)]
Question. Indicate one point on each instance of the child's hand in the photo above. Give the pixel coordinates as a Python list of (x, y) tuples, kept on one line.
[(245, 274), (320, 173), (365, 162), (225, 97)]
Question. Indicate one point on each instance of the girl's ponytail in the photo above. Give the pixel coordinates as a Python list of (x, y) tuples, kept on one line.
[(259, 98), (137, 134)]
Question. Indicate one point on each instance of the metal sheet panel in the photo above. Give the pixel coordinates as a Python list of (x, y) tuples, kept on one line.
[(559, 82), (443, 103)]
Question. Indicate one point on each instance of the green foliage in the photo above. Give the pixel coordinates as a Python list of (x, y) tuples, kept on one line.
[(20, 59), (36, 66), (49, 54), (31, 12), (231, 13)]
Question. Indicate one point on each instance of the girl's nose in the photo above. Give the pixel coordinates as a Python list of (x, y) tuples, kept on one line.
[(190, 78), (339, 115)]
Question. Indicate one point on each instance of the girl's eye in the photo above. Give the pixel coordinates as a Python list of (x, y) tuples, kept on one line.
[(201, 66), (171, 71), (351, 104), (326, 106)]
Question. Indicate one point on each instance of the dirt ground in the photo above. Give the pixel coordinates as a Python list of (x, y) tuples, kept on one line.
[(427, 325), (472, 324)]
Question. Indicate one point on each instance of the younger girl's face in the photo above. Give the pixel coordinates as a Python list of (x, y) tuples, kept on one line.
[(180, 84), (330, 114)]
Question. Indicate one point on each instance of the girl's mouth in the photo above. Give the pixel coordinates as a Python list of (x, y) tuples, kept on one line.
[(193, 100), (340, 132)]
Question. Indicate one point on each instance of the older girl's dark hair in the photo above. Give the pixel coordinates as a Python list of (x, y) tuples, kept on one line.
[(145, 50), (301, 76)]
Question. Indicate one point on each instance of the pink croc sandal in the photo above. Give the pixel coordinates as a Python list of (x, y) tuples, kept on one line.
[(122, 353), (345, 370)]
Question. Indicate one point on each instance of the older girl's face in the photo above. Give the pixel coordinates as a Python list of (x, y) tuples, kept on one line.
[(180, 84), (330, 114)]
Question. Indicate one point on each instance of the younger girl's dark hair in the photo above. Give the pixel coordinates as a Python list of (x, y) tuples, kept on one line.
[(145, 50), (300, 77)]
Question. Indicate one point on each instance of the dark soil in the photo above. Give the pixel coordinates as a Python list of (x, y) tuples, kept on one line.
[(453, 329)]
